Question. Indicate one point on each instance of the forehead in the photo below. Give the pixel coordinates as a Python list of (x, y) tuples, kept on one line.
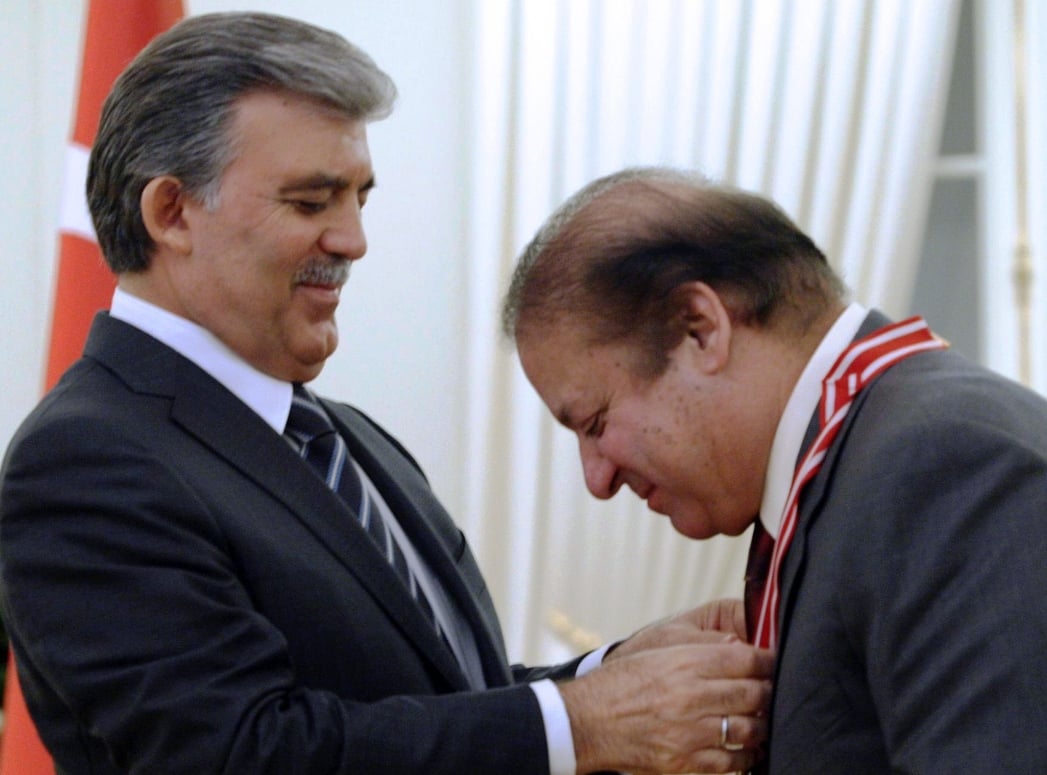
[(281, 130), (570, 373)]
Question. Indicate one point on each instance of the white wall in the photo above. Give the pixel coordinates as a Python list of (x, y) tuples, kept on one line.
[(400, 314), (36, 90)]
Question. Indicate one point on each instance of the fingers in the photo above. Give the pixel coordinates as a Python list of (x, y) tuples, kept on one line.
[(715, 622), (712, 679), (743, 748), (730, 659), (705, 753), (741, 740), (726, 615), (722, 761), (663, 710), (737, 733)]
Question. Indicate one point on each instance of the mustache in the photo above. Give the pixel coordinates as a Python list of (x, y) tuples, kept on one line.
[(328, 270)]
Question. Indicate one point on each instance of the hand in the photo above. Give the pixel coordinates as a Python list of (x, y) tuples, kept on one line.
[(661, 710), (721, 621)]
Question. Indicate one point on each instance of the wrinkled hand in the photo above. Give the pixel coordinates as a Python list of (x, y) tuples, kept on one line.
[(720, 621), (661, 709)]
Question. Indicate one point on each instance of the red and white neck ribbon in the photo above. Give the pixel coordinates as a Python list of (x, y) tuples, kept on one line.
[(856, 367)]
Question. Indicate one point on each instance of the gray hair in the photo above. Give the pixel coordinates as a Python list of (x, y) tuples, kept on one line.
[(613, 255), (170, 111)]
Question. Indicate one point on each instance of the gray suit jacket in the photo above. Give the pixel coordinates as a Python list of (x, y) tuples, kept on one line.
[(913, 623), (184, 596)]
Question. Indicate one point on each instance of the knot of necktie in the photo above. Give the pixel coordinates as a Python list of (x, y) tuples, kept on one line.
[(312, 433)]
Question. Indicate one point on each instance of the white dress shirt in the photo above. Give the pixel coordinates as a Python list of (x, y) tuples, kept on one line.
[(788, 438), (270, 399)]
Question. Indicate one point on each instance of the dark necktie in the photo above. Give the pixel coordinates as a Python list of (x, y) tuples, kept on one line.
[(311, 432), (761, 550), (757, 568)]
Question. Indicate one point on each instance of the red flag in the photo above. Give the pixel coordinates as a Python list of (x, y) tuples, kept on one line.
[(116, 31)]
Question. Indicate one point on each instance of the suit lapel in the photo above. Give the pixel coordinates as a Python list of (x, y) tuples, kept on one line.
[(815, 492), (206, 410), (409, 497)]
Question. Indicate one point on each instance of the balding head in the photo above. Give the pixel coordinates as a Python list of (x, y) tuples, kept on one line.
[(612, 257)]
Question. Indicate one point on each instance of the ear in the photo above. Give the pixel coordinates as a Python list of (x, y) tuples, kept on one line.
[(708, 325), (163, 202)]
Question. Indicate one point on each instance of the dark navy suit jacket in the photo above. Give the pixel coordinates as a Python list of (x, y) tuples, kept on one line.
[(183, 595), (913, 620)]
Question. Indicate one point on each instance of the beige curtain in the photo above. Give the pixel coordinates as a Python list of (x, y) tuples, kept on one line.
[(1014, 138), (1031, 220), (831, 108)]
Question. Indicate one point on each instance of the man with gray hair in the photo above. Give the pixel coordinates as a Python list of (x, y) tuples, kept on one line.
[(207, 568), (701, 348)]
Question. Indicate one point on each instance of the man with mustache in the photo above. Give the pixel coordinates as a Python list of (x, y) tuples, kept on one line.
[(208, 569)]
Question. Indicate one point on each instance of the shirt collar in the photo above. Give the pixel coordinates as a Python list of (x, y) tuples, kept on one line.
[(803, 402), (268, 397)]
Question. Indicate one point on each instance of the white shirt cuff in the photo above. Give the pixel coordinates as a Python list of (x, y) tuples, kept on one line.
[(593, 659), (557, 727)]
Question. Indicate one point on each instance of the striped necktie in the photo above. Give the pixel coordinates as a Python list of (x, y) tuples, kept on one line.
[(311, 432)]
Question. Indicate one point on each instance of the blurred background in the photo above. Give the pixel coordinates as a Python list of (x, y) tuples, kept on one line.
[(906, 136)]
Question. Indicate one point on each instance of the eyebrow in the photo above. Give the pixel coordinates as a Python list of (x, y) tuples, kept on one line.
[(320, 181)]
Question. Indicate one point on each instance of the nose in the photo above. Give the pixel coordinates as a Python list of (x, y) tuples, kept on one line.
[(601, 475), (344, 235)]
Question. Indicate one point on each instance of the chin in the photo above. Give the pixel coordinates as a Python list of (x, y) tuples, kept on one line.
[(312, 358), (697, 528), (304, 369)]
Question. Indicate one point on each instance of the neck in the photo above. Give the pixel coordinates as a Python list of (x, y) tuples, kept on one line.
[(791, 346)]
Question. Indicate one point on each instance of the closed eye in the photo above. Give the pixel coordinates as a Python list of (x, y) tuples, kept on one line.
[(595, 426), (308, 207), (589, 426)]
